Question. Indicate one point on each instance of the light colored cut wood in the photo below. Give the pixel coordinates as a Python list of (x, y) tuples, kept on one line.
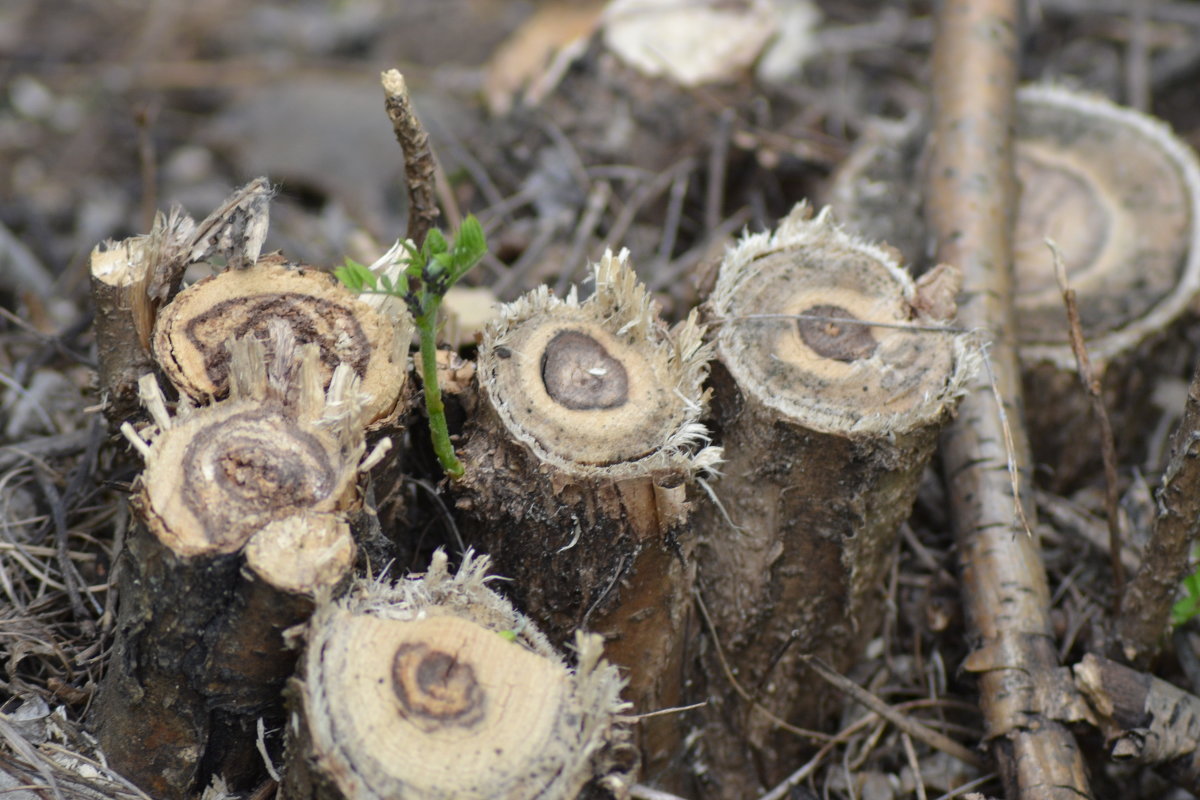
[(190, 336), (437, 688)]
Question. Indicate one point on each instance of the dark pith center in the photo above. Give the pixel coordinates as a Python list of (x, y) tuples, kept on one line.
[(578, 373), (832, 332), (435, 685)]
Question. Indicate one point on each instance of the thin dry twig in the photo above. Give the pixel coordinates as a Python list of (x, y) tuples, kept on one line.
[(781, 790), (419, 166), (910, 753), (58, 515), (902, 721), (1108, 447), (1010, 447)]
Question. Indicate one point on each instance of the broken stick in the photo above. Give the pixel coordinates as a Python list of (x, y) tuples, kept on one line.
[(1144, 719)]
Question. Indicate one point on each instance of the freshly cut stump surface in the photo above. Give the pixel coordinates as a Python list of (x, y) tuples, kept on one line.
[(437, 688), (190, 336), (836, 372), (581, 457)]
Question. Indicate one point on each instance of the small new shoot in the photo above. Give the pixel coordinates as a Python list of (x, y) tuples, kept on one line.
[(428, 274)]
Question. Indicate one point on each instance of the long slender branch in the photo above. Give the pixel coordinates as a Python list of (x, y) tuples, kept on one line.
[(1004, 585)]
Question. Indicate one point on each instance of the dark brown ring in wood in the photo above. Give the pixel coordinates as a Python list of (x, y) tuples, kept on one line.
[(253, 479), (579, 374), (839, 341), (313, 319), (433, 686)]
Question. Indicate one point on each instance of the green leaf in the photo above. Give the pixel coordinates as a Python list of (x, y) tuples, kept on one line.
[(1188, 606), (355, 276), (470, 239), (510, 636), (435, 243)]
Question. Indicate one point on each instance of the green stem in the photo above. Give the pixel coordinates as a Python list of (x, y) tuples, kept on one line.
[(442, 447)]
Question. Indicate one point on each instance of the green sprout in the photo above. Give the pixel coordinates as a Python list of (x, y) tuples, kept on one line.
[(1188, 606), (428, 274)]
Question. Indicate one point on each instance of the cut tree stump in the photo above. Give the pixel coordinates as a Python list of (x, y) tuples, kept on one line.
[(836, 374), (371, 334), (241, 522), (437, 688), (581, 454), (1113, 188)]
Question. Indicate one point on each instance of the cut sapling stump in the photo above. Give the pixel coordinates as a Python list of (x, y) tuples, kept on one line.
[(1118, 193), (581, 456), (437, 688), (241, 523), (835, 374), (371, 333)]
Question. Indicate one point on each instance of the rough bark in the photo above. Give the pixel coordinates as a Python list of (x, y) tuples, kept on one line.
[(1146, 613), (1144, 719), (580, 458), (1112, 188), (119, 273), (240, 523), (837, 373), (437, 688), (371, 335), (971, 194)]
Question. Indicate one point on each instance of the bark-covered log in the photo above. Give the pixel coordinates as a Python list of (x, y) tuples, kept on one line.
[(371, 334), (437, 688), (580, 458), (240, 523), (837, 372), (1144, 719), (1117, 192)]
